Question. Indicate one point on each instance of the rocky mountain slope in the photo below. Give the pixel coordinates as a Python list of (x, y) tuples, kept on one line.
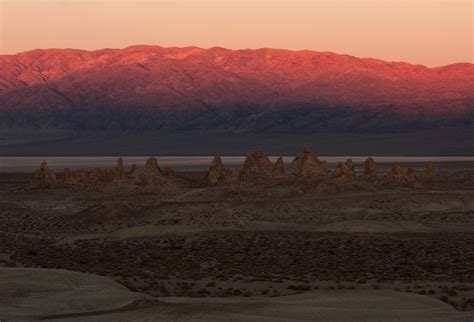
[(151, 88), (184, 78)]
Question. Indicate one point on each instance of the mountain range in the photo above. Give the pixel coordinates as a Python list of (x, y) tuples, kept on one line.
[(53, 101)]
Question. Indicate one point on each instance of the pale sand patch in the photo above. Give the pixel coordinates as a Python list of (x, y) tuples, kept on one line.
[(340, 305), (70, 296), (27, 293), (373, 226)]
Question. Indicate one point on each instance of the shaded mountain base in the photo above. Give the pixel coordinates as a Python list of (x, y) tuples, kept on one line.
[(447, 141), (233, 130)]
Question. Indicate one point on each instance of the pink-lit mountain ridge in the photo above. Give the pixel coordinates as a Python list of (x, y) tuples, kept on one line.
[(149, 99), (154, 78)]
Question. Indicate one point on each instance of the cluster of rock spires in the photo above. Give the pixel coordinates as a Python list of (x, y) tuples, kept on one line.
[(306, 165), (44, 176), (151, 174), (257, 168)]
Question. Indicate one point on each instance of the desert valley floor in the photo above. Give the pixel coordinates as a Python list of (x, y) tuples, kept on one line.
[(257, 250)]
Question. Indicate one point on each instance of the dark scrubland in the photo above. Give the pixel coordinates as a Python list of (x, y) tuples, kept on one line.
[(252, 235)]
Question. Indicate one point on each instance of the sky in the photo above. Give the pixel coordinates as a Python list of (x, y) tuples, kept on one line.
[(431, 33)]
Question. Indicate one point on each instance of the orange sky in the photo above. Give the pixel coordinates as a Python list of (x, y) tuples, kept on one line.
[(418, 31)]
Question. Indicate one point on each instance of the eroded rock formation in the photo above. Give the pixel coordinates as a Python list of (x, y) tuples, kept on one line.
[(134, 172), (151, 176), (430, 171), (44, 177), (231, 175), (80, 176), (278, 168), (217, 172), (257, 166), (152, 172), (345, 171), (117, 172), (370, 169), (401, 173), (307, 165)]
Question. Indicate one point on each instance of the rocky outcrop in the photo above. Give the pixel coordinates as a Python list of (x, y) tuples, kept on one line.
[(80, 176), (117, 172), (231, 175), (370, 169), (307, 165), (94, 176), (151, 176), (257, 166), (396, 171), (134, 172), (430, 171), (217, 173), (345, 171), (152, 172), (44, 177), (401, 173), (152, 168), (278, 168)]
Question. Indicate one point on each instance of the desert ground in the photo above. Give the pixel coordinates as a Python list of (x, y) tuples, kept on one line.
[(212, 245)]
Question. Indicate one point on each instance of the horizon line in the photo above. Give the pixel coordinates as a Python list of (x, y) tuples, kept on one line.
[(239, 49)]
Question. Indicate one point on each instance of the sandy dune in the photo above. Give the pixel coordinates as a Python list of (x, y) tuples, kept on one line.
[(65, 295)]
